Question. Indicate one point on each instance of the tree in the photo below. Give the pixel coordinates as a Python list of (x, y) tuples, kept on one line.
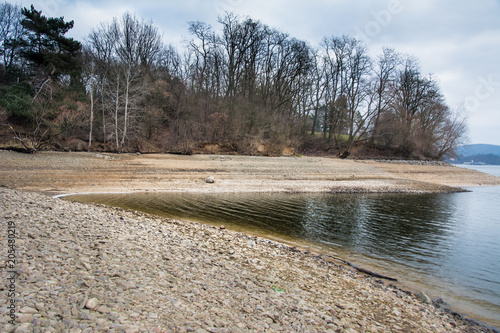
[(48, 53), (451, 134), (417, 100), (384, 75), (126, 52), (11, 32), (318, 89), (350, 105), (90, 81), (47, 64), (355, 86)]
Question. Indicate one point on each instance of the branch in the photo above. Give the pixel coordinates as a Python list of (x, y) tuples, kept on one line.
[(45, 80)]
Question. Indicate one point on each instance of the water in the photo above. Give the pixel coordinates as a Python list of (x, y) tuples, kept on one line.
[(445, 244), (491, 169)]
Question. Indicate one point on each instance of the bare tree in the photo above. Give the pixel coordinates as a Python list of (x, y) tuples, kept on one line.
[(414, 96), (127, 51), (359, 105), (335, 58), (11, 31), (384, 76), (451, 134), (90, 80)]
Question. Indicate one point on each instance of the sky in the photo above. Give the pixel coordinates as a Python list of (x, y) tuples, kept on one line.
[(457, 41)]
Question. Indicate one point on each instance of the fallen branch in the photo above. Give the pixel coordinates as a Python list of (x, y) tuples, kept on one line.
[(361, 269), (371, 273)]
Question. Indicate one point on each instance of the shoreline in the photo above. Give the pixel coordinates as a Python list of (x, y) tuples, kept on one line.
[(259, 174), (99, 268)]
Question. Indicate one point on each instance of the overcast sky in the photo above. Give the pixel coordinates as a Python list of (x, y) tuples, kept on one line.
[(458, 41)]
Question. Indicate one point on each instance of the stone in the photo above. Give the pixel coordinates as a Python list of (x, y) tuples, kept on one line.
[(141, 297), (210, 180), (103, 309), (267, 278), (8, 328), (27, 309), (92, 303), (424, 298), (25, 318), (24, 328)]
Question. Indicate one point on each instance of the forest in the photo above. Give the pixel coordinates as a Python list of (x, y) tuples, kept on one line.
[(243, 87)]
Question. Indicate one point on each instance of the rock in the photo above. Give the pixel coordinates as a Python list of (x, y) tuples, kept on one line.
[(126, 285), (92, 303), (103, 309), (27, 309), (40, 306), (424, 298), (9, 328), (24, 328), (141, 297), (267, 278), (86, 265), (210, 180), (25, 318)]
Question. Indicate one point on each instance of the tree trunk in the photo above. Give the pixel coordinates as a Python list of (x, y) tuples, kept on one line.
[(117, 105), (125, 120), (91, 115)]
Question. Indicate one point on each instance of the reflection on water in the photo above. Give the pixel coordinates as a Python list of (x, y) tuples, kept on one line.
[(445, 244)]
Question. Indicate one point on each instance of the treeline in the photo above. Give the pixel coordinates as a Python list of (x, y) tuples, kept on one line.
[(246, 86), (490, 159)]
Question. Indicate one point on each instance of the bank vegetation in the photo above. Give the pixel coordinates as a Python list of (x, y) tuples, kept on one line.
[(241, 87)]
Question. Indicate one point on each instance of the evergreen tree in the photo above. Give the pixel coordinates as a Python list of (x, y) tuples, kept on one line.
[(49, 54)]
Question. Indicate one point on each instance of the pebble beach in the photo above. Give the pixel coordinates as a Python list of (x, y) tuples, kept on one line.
[(88, 268)]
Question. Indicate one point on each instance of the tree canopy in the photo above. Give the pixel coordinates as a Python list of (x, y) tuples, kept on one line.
[(245, 87)]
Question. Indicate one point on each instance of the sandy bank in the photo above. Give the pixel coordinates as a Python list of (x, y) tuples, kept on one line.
[(58, 173)]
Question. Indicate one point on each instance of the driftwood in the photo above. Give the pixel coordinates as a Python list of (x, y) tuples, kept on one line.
[(361, 269), (371, 273)]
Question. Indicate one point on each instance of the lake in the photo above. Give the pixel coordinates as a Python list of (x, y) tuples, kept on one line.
[(447, 245)]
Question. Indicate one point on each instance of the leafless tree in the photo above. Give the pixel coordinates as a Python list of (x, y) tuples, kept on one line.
[(384, 76), (127, 50), (355, 87), (11, 31), (451, 133), (415, 95)]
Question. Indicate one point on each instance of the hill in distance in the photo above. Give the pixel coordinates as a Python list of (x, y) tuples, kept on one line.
[(478, 154)]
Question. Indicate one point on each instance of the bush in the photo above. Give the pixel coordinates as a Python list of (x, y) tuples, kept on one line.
[(16, 99)]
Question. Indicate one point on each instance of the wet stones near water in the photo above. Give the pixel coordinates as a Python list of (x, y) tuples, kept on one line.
[(424, 298), (84, 268)]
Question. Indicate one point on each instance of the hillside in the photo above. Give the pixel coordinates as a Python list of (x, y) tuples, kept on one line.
[(478, 153)]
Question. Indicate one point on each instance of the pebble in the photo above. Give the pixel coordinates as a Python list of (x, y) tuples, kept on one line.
[(92, 303), (87, 268)]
